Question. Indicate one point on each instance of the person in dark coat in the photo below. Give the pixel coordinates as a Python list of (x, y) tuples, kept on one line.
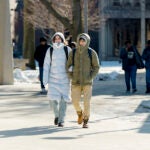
[(146, 57), (39, 56), (129, 66)]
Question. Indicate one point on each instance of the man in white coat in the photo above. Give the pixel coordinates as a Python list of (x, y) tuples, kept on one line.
[(55, 75)]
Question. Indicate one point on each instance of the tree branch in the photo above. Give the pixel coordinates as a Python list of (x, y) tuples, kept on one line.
[(65, 21)]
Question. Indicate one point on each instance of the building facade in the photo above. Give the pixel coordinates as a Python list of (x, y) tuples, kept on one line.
[(120, 21)]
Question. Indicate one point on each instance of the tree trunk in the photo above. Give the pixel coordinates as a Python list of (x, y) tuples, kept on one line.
[(29, 38), (77, 26)]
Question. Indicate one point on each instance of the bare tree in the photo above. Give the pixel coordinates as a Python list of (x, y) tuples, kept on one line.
[(74, 25), (48, 14)]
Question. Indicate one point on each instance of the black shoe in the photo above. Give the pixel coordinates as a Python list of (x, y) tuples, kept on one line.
[(60, 124), (56, 121), (134, 90)]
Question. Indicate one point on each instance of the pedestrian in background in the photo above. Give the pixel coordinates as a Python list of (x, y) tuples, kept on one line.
[(128, 56), (39, 56)]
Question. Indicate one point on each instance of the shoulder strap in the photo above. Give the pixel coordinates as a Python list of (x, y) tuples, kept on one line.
[(73, 55), (90, 54), (66, 51), (51, 53)]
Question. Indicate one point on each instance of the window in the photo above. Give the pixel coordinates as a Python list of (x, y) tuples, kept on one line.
[(137, 3), (148, 4), (127, 3), (116, 3)]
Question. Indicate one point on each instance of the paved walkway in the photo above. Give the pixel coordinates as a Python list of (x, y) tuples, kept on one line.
[(118, 121)]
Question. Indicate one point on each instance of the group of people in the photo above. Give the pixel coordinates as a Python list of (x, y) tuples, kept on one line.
[(131, 61), (69, 73)]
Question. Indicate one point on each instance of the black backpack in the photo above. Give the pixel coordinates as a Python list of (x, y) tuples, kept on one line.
[(89, 53), (51, 53)]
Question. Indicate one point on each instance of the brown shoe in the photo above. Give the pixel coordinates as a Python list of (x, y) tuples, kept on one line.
[(85, 123), (80, 117)]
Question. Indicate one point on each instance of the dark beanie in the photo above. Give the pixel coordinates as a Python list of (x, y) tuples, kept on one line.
[(127, 42), (42, 39)]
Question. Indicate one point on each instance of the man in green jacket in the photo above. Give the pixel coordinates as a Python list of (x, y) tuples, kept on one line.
[(82, 66)]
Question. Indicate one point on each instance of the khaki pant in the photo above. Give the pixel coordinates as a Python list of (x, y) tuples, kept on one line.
[(77, 92)]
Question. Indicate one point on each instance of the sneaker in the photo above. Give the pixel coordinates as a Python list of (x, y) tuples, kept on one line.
[(60, 124), (80, 117), (56, 121), (134, 90)]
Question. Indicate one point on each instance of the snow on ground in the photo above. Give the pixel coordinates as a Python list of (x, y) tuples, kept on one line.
[(27, 76), (109, 70)]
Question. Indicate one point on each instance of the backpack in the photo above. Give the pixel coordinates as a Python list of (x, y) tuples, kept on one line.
[(89, 53), (51, 53)]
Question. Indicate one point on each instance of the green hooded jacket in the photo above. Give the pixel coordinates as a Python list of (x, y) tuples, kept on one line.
[(83, 72)]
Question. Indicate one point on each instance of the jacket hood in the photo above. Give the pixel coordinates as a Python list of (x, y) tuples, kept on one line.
[(84, 36), (59, 34)]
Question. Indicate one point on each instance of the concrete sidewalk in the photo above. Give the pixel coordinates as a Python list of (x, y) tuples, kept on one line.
[(118, 121)]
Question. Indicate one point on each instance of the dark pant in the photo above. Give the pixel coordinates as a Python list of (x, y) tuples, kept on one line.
[(148, 78), (130, 74), (41, 77)]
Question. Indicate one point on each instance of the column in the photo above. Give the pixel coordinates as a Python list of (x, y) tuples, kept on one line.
[(143, 33), (85, 16), (6, 56), (102, 52), (109, 39)]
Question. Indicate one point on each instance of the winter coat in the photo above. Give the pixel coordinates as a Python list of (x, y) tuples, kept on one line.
[(82, 73), (126, 61), (146, 57), (55, 74), (39, 54)]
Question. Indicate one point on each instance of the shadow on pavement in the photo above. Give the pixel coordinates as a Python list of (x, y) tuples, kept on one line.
[(41, 130), (146, 126), (51, 130), (143, 108)]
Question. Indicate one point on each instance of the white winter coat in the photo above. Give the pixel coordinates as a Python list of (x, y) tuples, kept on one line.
[(55, 75)]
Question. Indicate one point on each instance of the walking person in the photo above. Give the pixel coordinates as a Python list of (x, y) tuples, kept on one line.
[(146, 57), (39, 56), (55, 74), (83, 66), (128, 56)]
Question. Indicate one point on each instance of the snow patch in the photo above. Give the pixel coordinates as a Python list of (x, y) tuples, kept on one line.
[(107, 76), (27, 76), (109, 70)]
